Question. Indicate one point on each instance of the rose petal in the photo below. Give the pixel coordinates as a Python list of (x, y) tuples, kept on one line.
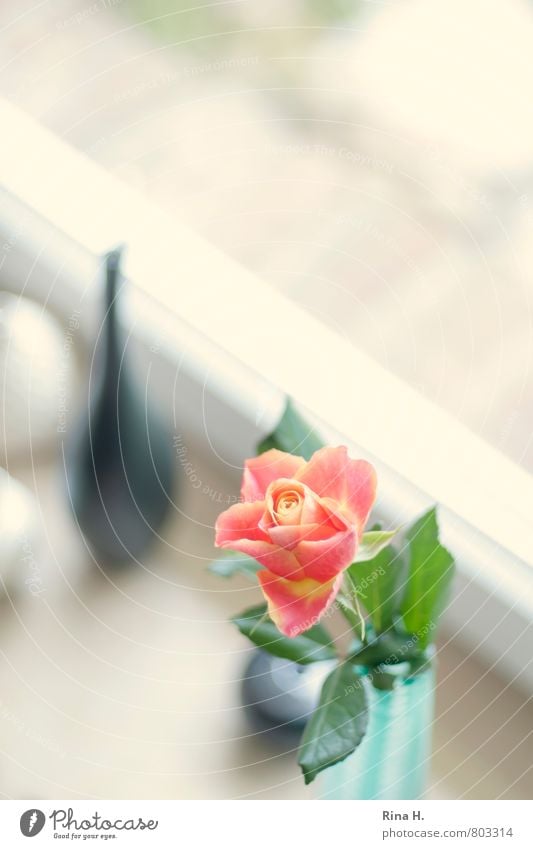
[(273, 496), (240, 521), (295, 606), (314, 510), (260, 471), (351, 483), (323, 559), (289, 536), (238, 529), (311, 509)]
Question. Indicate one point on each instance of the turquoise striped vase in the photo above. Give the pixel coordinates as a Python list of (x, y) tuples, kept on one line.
[(392, 761)]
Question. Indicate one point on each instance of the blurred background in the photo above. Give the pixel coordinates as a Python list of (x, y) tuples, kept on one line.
[(371, 160)]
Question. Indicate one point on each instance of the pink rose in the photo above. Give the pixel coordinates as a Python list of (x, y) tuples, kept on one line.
[(302, 521)]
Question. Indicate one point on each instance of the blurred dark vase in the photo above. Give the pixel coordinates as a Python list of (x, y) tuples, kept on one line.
[(120, 458)]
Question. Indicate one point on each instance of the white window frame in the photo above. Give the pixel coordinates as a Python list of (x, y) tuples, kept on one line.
[(244, 347)]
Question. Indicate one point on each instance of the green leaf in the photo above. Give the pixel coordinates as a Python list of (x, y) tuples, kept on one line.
[(372, 542), (376, 582), (431, 568), (419, 665), (383, 680), (235, 564), (389, 648), (312, 646), (293, 434), (338, 724)]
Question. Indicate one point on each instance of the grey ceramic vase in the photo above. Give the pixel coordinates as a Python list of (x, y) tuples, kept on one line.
[(120, 458)]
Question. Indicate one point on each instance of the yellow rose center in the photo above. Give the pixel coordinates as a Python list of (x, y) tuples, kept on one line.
[(287, 502), (287, 506)]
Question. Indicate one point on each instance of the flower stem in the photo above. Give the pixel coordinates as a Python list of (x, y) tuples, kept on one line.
[(351, 616), (359, 623)]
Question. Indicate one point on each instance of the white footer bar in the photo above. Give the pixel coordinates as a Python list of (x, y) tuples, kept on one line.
[(266, 824)]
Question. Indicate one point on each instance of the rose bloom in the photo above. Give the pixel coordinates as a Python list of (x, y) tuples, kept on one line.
[(302, 521)]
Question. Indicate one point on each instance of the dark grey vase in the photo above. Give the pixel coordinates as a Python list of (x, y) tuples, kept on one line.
[(120, 461)]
